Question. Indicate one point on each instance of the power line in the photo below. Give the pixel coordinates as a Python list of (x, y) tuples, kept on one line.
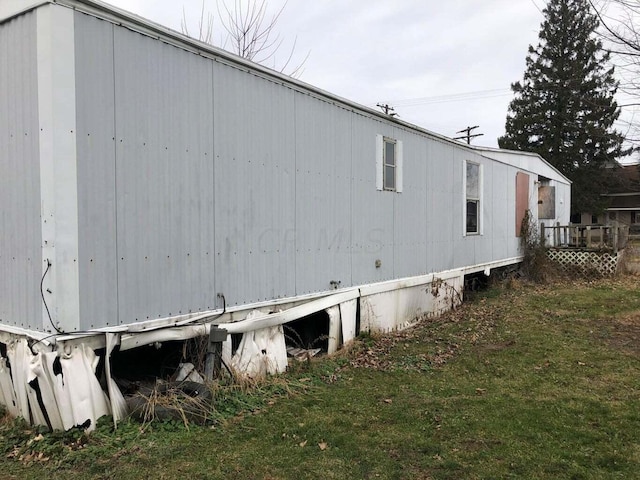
[(454, 97), (536, 5)]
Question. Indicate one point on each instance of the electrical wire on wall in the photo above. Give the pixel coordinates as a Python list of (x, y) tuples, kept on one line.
[(213, 319), (43, 299)]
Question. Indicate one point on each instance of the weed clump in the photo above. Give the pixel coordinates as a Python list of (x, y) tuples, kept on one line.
[(210, 403), (536, 265)]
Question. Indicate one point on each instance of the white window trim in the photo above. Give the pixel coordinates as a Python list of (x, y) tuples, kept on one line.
[(399, 184), (379, 162), (390, 141), (480, 200), (380, 139)]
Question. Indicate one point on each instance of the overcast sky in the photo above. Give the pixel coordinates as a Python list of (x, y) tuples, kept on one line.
[(443, 65)]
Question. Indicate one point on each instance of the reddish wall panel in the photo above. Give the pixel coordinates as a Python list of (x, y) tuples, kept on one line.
[(522, 199)]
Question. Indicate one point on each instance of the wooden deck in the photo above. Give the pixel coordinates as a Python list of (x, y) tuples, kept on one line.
[(586, 237)]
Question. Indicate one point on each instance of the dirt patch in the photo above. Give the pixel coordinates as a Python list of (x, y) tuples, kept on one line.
[(476, 445), (625, 333), (496, 347)]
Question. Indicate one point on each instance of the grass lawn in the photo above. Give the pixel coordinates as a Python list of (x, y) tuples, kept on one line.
[(522, 382)]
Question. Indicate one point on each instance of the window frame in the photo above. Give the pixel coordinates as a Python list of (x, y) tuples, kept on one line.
[(381, 163), (476, 200), (389, 141)]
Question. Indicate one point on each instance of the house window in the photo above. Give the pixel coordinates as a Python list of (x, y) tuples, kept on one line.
[(388, 164), (389, 160), (473, 189), (635, 217)]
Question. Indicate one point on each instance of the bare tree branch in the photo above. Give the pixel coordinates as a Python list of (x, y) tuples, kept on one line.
[(620, 32), (205, 25), (249, 33)]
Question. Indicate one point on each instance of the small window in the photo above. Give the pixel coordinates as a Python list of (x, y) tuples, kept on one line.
[(389, 164), (472, 216), (594, 219), (635, 217), (473, 189)]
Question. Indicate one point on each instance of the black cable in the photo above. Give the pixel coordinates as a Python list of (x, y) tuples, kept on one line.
[(226, 366), (43, 299), (40, 341), (224, 304), (209, 319)]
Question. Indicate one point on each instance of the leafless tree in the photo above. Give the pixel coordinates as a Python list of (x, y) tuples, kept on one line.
[(620, 29), (249, 32)]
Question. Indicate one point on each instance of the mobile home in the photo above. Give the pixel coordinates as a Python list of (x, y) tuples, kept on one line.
[(153, 186)]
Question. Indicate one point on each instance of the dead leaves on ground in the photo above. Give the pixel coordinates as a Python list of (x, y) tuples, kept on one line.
[(438, 339), (322, 445)]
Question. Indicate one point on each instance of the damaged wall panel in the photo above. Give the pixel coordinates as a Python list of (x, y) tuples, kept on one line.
[(59, 390)]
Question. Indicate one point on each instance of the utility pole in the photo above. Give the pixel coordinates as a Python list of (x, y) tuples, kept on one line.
[(387, 109), (468, 135)]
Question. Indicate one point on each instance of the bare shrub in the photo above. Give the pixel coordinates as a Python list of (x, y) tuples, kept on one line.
[(535, 266)]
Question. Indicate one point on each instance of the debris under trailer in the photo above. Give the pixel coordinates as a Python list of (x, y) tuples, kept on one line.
[(156, 189)]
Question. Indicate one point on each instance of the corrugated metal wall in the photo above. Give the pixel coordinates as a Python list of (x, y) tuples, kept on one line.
[(97, 170), (145, 176), (323, 194), (197, 177), (20, 237), (255, 188), (372, 211), (410, 226)]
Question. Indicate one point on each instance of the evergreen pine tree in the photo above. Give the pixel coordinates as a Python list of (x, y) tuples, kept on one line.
[(564, 108)]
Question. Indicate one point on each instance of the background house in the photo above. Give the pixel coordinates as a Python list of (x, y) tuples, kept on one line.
[(622, 201)]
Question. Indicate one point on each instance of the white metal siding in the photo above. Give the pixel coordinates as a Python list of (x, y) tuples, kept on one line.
[(96, 172), (164, 179), (501, 228), (443, 212), (323, 194), (410, 207), (58, 166), (372, 219), (197, 177), (254, 187), (20, 234)]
